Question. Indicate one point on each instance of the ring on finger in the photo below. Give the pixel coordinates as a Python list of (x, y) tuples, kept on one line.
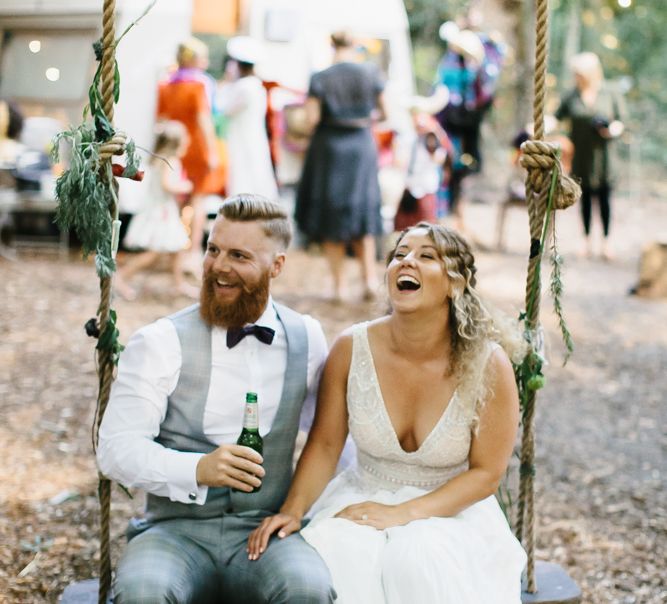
[(364, 516)]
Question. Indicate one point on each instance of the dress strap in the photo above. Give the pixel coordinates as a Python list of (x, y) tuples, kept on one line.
[(360, 348)]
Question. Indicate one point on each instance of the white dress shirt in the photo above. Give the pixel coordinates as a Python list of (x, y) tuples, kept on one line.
[(148, 372)]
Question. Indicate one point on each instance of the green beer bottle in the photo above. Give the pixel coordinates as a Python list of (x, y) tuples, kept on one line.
[(250, 433)]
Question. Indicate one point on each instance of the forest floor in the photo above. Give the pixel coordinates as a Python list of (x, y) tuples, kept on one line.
[(601, 510)]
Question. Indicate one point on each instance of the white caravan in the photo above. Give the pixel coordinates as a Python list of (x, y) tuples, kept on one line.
[(47, 65), (47, 62), (295, 36)]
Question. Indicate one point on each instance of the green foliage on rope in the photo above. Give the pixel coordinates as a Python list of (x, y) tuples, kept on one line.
[(529, 376), (556, 286), (84, 197), (86, 192), (528, 373), (108, 340)]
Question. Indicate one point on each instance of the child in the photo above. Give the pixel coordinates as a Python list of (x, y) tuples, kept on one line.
[(427, 158), (157, 228)]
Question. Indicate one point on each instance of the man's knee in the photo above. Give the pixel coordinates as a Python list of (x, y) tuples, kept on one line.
[(161, 568), (132, 588), (294, 573), (304, 586)]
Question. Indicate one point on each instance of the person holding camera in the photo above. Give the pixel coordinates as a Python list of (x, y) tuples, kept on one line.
[(594, 112)]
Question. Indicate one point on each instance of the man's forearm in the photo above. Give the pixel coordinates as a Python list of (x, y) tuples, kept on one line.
[(147, 465)]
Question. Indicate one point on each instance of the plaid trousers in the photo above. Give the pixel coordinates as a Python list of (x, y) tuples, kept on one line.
[(185, 561)]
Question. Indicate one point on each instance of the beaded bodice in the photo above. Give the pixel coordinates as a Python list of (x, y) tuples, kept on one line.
[(381, 461)]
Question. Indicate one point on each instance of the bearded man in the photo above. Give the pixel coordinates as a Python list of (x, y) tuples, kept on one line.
[(176, 411)]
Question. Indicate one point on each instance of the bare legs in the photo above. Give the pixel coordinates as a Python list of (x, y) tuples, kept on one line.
[(178, 274), (364, 249), (197, 225), (334, 252), (603, 194), (134, 265), (144, 260)]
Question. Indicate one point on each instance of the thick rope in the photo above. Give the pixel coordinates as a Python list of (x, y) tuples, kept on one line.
[(114, 146), (542, 162), (536, 198), (105, 365)]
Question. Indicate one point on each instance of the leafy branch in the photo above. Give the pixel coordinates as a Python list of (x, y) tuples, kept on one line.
[(86, 191)]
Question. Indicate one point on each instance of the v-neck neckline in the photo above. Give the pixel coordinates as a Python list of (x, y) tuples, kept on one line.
[(385, 411)]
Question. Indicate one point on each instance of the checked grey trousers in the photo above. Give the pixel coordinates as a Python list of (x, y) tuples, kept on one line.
[(186, 561)]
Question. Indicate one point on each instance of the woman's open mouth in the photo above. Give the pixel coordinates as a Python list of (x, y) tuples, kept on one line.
[(407, 283)]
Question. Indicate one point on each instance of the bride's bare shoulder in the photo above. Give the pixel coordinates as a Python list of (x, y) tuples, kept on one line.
[(379, 328)]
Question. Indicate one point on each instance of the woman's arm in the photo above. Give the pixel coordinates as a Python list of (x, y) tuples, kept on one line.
[(317, 463), (205, 123), (172, 181), (313, 109), (320, 455), (381, 108), (488, 459)]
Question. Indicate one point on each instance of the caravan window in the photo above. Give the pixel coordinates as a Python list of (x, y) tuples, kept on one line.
[(48, 67)]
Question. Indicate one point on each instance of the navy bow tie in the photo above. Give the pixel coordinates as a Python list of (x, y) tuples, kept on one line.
[(236, 334)]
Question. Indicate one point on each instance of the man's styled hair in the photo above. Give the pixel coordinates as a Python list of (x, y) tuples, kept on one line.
[(247, 207)]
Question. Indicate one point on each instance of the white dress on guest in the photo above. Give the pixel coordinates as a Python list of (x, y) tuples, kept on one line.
[(470, 558), (157, 227), (250, 168)]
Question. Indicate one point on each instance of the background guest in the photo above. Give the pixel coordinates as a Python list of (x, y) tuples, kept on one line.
[(338, 199), (594, 112)]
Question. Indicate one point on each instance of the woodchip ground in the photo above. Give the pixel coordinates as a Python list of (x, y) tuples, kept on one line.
[(601, 429)]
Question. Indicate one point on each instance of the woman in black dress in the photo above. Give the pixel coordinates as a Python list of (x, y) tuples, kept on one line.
[(594, 111), (338, 199)]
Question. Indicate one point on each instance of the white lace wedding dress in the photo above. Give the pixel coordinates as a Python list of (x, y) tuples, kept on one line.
[(470, 558)]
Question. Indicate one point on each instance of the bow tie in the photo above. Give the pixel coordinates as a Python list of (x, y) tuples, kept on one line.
[(236, 334)]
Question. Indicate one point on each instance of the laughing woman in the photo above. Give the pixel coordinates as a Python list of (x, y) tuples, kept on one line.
[(428, 395)]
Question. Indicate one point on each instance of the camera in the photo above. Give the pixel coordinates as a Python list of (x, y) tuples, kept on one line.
[(599, 122)]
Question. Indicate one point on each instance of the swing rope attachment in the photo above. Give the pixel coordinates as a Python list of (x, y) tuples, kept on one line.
[(87, 195), (547, 189)]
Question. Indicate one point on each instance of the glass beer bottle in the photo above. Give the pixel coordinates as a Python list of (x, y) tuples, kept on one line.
[(250, 433)]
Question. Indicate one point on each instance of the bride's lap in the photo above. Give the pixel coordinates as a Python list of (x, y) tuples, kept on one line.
[(435, 559)]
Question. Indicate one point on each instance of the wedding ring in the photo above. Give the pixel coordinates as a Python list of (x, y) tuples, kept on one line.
[(364, 516)]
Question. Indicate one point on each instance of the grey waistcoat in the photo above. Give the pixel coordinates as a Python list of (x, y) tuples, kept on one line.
[(182, 428)]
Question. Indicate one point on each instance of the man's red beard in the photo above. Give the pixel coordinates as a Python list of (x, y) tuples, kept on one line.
[(247, 308)]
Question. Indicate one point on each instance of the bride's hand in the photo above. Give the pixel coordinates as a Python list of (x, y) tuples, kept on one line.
[(377, 515), (258, 540)]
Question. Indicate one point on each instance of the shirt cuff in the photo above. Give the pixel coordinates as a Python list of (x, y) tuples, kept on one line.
[(182, 478)]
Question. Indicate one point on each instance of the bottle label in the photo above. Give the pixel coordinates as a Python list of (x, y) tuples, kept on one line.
[(251, 417)]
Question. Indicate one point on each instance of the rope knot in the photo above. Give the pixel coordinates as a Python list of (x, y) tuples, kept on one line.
[(540, 159), (114, 146)]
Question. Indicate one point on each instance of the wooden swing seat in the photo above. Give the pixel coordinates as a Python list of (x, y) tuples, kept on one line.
[(555, 587)]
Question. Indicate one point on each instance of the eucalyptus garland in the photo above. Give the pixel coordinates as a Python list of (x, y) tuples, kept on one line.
[(528, 373), (108, 339), (86, 191), (529, 376)]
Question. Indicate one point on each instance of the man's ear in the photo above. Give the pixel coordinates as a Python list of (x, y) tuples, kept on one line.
[(277, 265)]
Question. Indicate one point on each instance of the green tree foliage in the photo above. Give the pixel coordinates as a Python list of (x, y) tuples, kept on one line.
[(628, 35), (631, 43), (425, 18)]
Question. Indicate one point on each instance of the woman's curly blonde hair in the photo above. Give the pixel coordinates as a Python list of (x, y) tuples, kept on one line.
[(473, 324)]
